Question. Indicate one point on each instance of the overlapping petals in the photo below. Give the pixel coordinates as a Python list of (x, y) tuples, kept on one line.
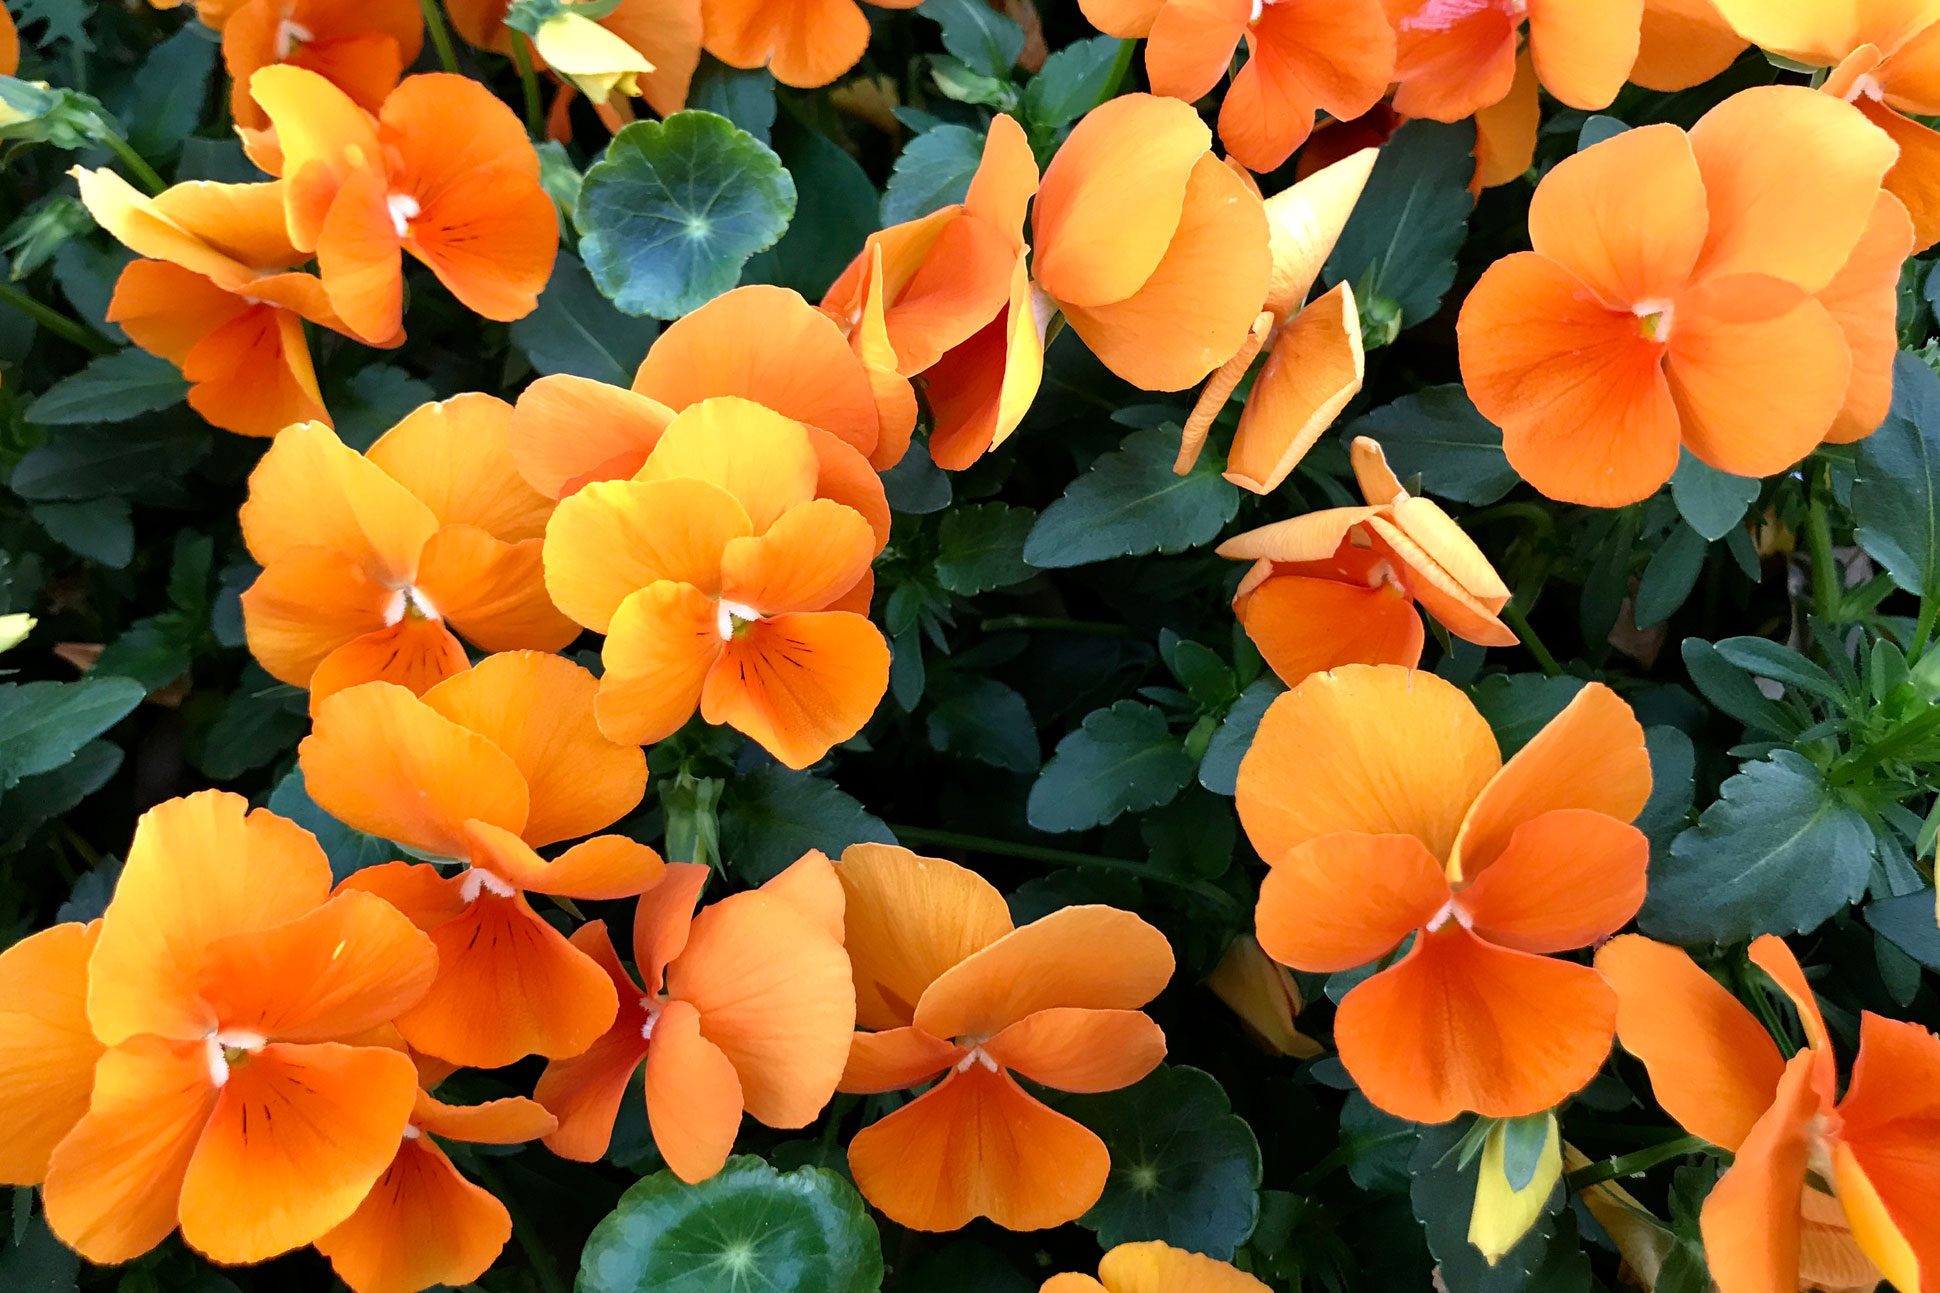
[(803, 44), (1457, 57), (1151, 1266), (359, 46)]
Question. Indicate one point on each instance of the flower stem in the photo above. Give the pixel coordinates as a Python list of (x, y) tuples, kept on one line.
[(1825, 567), (434, 22), (1631, 1164), (1512, 615), (134, 161), (1061, 857), (535, 117), (57, 323), (1089, 628)]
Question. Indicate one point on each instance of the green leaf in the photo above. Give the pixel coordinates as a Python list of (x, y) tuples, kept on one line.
[(43, 114), (981, 547), (261, 721), (1523, 1142), (932, 171), (1907, 922), (1669, 576), (47, 795), (1123, 759), (1779, 853), (577, 331), (1520, 705), (1184, 1168), (1199, 670), (982, 719), (1732, 690), (827, 232), (1377, 1145), (1598, 128), (1436, 436), (1399, 246), (916, 484), (377, 399), (96, 528), (1130, 503), (771, 816), (43, 724), (668, 217), (744, 96), (1219, 769), (165, 99), (1549, 1259), (747, 1229), (348, 850), (1071, 83), (66, 22), (1711, 502), (986, 40), (1897, 490), (112, 388), (1673, 769), (1781, 664), (87, 462)]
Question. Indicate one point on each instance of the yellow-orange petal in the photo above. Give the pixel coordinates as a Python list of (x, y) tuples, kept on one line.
[(1305, 625), (1583, 53), (414, 653), (1887, 1156), (1913, 177), (47, 1050), (798, 683), (1340, 901), (1750, 1219), (602, 869), (660, 647), (895, 1059), (1313, 369), (583, 1092), (1683, 43), (1304, 56), (567, 432), (1626, 217), (1153, 1266), (422, 1224), (763, 459), (693, 1095), (455, 457), (907, 920), (1264, 996), (613, 538), (1566, 879), (1304, 223), (311, 491), (1070, 1048), (809, 885), (1863, 299), (811, 555)]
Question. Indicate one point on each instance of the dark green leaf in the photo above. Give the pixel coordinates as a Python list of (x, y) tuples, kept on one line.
[(1907, 922), (1896, 494), (772, 816), (1732, 690), (916, 484), (1549, 1259), (1711, 502), (575, 330), (377, 399), (982, 719), (261, 721), (1193, 835), (827, 232), (112, 388), (745, 97), (47, 795), (1130, 502), (932, 171), (1377, 1144), (1598, 128), (164, 100), (43, 724), (96, 528), (1436, 436), (1072, 82), (1673, 766), (981, 547), (1520, 705), (1219, 769), (348, 850), (985, 39), (87, 462), (1123, 759), (1781, 664), (1399, 247)]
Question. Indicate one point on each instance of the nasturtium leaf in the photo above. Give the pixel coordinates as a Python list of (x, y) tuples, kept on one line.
[(82, 462), (1519, 705), (1780, 852), (1185, 1168), (1908, 923), (96, 528), (113, 388), (981, 547), (1896, 494), (747, 1229), (668, 217), (1669, 576), (1071, 83), (1122, 759), (1549, 1258), (1399, 247), (1131, 503), (44, 724), (982, 719), (348, 850), (744, 96), (577, 331), (771, 816), (1219, 769), (1436, 436), (828, 231), (932, 171), (1711, 502), (985, 39)]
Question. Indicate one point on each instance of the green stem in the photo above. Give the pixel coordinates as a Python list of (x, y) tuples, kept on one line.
[(1513, 616), (134, 161), (1631, 1164), (1089, 628), (1059, 857), (55, 322), (535, 116), (1120, 69), (434, 22), (1923, 627), (1750, 990), (1825, 567), (1908, 736)]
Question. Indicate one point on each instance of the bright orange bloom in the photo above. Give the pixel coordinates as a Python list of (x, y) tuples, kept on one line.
[(1884, 58), (481, 771), (946, 987), (665, 33), (805, 43), (948, 296), (239, 1096), (47, 1050), (1264, 996), (1671, 301), (213, 13), (1340, 587), (1457, 57), (444, 171), (1715, 1069), (359, 46), (371, 561), (724, 584), (1382, 806), (1683, 43), (9, 44), (423, 1223), (1157, 1268), (1303, 57), (1314, 364), (745, 1008), (1163, 290)]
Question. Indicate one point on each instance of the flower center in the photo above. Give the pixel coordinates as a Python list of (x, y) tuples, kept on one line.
[(404, 209), (977, 1055), (290, 34), (731, 617), (411, 602), (653, 1006), (1384, 575), (476, 882), (224, 1049), (1654, 319), (1866, 87), (1451, 910)]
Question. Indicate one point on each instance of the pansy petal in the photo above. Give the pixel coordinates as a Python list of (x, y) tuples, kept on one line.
[(308, 604), (455, 457), (1566, 879), (908, 919), (799, 683), (1304, 55), (1771, 954), (895, 1059), (1627, 217), (1070, 1048), (1306, 221), (693, 1095), (1583, 52), (811, 555), (603, 869), (422, 1224), (1303, 626), (1915, 177), (1340, 901), (584, 1091), (1191, 44), (567, 432), (1683, 43), (757, 455), (1863, 299), (312, 491), (809, 885), (47, 1051), (415, 653), (1750, 1220), (615, 537), (1313, 368), (1887, 1157), (492, 591), (1154, 1267), (664, 919), (659, 650)]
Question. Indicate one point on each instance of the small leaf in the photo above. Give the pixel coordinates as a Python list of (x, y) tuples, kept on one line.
[(165, 98), (1711, 502), (1732, 690), (113, 388), (1897, 489), (982, 719), (916, 484), (43, 724), (1219, 769), (1436, 436), (1549, 1257), (1520, 705), (981, 547), (1781, 664), (668, 217), (96, 528), (1669, 576), (932, 171), (1399, 246), (1072, 82), (1122, 759), (1130, 503), (577, 331), (1908, 923), (376, 399), (987, 41), (87, 462), (348, 850), (772, 816), (1673, 769), (261, 721)]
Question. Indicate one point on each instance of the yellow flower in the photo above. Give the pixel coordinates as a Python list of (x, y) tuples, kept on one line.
[(1504, 1214), (590, 56)]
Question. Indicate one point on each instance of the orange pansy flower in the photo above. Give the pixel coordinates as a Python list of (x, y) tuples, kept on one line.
[(444, 171), (481, 771), (724, 584), (238, 1096), (1884, 58), (1813, 1176), (745, 1008), (423, 1223), (371, 561), (1303, 57), (47, 1049), (1683, 43), (359, 46), (1454, 58), (1384, 810), (1264, 996), (9, 44), (1340, 586), (1672, 302), (1162, 290), (945, 987), (805, 43), (1314, 364), (213, 13), (665, 33), (1156, 1267)]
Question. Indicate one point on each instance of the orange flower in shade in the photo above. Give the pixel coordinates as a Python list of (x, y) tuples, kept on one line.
[(478, 773), (1264, 996), (217, 297), (1821, 1190), (444, 171), (359, 46), (1303, 57), (948, 296), (725, 585), (47, 1049), (1340, 587), (9, 44), (240, 1096), (370, 562), (1313, 363), (1672, 301), (423, 1223), (1683, 43), (1157, 1268), (805, 43), (1383, 809), (1164, 289), (746, 1008), (947, 988), (1454, 58), (1884, 58)]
